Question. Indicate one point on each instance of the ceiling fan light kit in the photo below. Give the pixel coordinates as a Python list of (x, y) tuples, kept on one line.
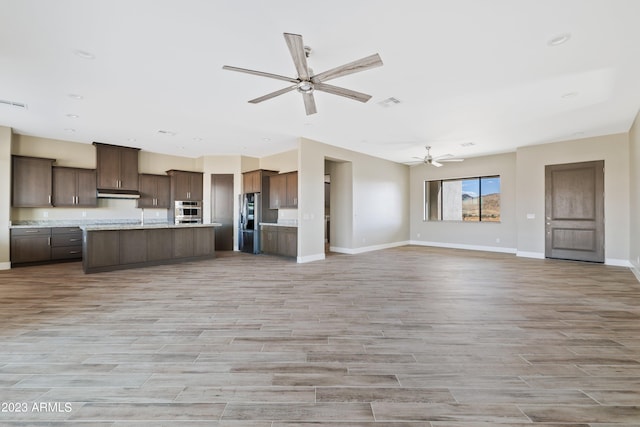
[(437, 160), (306, 82)]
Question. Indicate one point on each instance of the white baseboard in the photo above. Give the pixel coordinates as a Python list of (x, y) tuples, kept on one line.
[(465, 246), (636, 272), (617, 262), (355, 251), (525, 254), (310, 258), (5, 266)]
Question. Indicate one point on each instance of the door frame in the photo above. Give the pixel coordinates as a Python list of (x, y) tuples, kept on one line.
[(575, 226)]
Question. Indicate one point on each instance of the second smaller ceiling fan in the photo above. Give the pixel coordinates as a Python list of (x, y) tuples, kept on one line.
[(437, 160)]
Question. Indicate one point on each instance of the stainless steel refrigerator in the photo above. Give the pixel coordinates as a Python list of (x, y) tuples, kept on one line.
[(249, 229)]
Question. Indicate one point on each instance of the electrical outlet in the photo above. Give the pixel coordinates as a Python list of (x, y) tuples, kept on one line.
[(157, 213), (45, 214), (418, 235), (84, 214), (497, 240)]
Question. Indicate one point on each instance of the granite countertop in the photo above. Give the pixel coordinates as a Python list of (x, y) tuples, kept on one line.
[(146, 226), (105, 224), (280, 224)]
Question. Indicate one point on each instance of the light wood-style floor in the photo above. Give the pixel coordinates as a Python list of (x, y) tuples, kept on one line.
[(402, 337)]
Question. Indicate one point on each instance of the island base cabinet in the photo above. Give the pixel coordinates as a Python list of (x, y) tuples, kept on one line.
[(204, 241), (158, 244), (100, 249), (132, 248), (183, 243)]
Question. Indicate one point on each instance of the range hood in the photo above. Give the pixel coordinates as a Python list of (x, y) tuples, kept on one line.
[(117, 194)]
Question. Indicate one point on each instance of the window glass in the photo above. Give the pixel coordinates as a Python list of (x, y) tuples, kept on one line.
[(468, 199), (471, 199), (490, 198)]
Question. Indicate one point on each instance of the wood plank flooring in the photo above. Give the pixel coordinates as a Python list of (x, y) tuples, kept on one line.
[(409, 336)]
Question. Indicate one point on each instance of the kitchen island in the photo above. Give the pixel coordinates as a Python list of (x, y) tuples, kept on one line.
[(117, 247)]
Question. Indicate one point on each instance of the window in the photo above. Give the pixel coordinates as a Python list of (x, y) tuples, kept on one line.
[(467, 199)]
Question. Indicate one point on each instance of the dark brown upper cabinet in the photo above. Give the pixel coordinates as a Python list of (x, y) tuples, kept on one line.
[(117, 167), (74, 187), (283, 191), (31, 182), (252, 182), (185, 185), (155, 191)]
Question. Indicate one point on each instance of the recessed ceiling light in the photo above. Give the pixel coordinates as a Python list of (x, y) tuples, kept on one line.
[(76, 96), (266, 139), (468, 144), (167, 132), (131, 139), (69, 130), (73, 116), (569, 95), (197, 139), (559, 39), (84, 54)]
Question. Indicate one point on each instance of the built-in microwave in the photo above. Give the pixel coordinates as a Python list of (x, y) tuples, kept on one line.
[(188, 212)]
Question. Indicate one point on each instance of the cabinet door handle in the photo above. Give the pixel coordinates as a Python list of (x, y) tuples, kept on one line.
[(49, 198), (49, 241), (32, 231), (74, 240), (74, 252)]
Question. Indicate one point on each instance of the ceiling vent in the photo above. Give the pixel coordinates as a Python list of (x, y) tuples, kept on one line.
[(389, 102), (13, 104)]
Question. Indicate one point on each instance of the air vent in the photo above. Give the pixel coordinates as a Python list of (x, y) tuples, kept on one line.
[(13, 104), (389, 102), (467, 144)]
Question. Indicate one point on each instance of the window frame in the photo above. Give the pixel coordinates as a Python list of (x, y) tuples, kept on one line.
[(427, 199)]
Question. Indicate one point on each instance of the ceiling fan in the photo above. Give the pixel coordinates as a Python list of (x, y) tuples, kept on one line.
[(437, 161), (307, 82)]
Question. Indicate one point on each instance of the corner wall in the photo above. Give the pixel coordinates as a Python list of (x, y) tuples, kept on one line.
[(5, 200), (380, 205), (634, 196), (530, 164)]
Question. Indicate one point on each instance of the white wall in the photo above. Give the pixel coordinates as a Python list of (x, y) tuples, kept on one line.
[(493, 236), (5, 199), (531, 161), (380, 203), (634, 199)]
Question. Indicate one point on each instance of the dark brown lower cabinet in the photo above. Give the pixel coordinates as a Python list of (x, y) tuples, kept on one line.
[(66, 243), (278, 240), (44, 244), (30, 245), (133, 246), (106, 250), (158, 244)]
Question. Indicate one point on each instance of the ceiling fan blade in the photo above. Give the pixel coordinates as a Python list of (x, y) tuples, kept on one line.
[(451, 160), (309, 103), (260, 73), (273, 94), (347, 93), (436, 164), (371, 61), (296, 47)]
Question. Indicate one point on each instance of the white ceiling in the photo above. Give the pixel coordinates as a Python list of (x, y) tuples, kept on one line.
[(478, 71)]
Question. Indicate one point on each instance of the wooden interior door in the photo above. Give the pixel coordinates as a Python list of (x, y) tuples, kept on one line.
[(222, 210), (574, 211)]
